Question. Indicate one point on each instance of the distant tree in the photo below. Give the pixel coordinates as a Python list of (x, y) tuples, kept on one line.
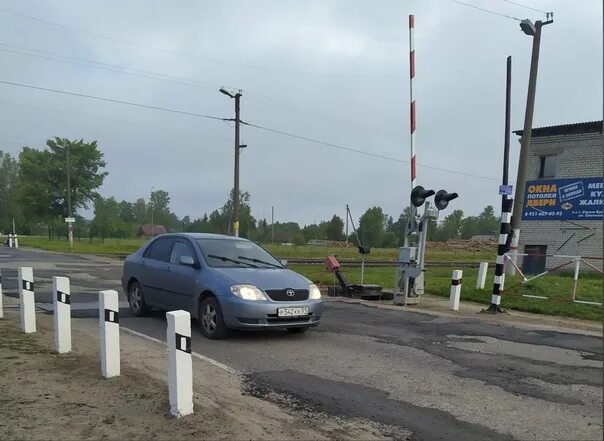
[(371, 227), (335, 228), (43, 177), (9, 181), (140, 212), (450, 227), (298, 238)]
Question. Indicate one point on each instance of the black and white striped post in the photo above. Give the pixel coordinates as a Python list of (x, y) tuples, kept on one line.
[(502, 248), (62, 314), (180, 364), (1, 305), (455, 290), (110, 333), (27, 303)]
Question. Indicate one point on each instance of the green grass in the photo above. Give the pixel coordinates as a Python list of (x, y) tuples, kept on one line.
[(438, 280), (84, 246)]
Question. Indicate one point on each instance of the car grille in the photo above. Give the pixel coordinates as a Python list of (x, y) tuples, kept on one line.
[(280, 295)]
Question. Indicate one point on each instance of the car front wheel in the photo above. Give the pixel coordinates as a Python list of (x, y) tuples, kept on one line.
[(211, 322), (136, 300)]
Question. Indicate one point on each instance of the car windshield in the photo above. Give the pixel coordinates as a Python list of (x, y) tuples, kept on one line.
[(229, 253)]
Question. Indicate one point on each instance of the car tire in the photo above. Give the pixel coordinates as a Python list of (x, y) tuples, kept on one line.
[(136, 300), (211, 322), (297, 330)]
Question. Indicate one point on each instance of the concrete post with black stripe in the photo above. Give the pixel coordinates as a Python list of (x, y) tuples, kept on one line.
[(455, 290), (110, 333), (502, 248), (180, 364), (61, 294), (27, 302)]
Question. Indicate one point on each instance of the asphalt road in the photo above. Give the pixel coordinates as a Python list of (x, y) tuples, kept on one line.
[(439, 377)]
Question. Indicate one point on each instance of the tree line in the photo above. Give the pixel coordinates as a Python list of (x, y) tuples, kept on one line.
[(34, 193)]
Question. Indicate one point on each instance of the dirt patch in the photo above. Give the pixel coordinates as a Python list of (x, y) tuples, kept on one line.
[(44, 395)]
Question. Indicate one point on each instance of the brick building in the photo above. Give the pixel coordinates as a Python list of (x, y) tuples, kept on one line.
[(562, 212)]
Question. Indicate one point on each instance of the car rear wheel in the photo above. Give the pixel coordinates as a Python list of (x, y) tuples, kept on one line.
[(136, 300), (297, 330), (211, 322)]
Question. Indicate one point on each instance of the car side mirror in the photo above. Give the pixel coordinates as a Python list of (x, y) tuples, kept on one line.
[(283, 262), (187, 260)]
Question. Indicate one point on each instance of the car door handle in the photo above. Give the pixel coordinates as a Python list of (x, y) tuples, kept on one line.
[(168, 268)]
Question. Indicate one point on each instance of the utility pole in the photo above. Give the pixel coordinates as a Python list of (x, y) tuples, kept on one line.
[(525, 142), (237, 152), (69, 221), (235, 93), (152, 209), (346, 224), (508, 105), (272, 225)]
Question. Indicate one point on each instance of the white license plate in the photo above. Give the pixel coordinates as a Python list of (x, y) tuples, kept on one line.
[(292, 312)]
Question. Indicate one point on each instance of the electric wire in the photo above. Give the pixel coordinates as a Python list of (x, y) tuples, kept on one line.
[(525, 6), (112, 100), (226, 120), (362, 152), (183, 54), (485, 10)]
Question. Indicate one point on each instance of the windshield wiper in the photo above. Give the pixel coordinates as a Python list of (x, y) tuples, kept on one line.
[(260, 261), (228, 259)]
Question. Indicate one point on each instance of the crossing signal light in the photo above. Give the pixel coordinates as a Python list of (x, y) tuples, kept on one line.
[(419, 195), (442, 199)]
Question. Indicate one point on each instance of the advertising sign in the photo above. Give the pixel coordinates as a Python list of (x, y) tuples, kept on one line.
[(564, 199)]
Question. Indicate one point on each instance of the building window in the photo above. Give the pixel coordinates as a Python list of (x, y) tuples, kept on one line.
[(547, 166)]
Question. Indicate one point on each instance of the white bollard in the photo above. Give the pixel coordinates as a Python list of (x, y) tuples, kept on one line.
[(180, 365), (482, 275), (110, 333), (455, 290), (16, 242), (1, 306), (27, 303), (62, 309), (10, 240)]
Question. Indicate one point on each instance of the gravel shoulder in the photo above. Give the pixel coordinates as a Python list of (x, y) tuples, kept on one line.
[(44, 395)]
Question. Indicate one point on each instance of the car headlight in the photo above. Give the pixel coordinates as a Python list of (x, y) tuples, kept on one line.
[(248, 292), (314, 293)]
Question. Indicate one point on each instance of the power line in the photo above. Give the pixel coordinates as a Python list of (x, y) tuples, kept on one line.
[(485, 10), (111, 100), (291, 135), (525, 6), (92, 64), (362, 152), (199, 57)]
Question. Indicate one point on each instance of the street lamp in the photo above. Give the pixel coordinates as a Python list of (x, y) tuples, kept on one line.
[(532, 30), (235, 93)]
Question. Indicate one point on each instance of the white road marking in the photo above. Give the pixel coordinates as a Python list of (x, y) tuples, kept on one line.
[(194, 354)]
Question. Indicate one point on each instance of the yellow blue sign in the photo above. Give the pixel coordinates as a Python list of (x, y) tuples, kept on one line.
[(564, 199)]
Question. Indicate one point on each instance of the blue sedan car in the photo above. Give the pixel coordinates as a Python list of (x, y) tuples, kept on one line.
[(225, 282)]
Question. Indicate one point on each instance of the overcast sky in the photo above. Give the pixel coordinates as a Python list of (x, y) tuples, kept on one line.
[(334, 70)]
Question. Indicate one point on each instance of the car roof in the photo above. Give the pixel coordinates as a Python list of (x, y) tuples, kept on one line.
[(202, 236)]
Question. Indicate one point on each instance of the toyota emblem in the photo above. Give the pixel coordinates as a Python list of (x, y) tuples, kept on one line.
[(290, 292)]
